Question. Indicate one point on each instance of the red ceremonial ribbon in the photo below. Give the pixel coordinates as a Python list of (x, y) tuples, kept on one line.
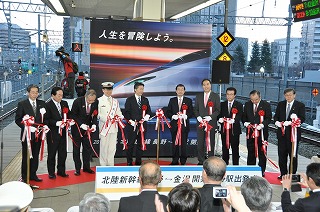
[(27, 121), (141, 129), (121, 125), (255, 135), (45, 130), (210, 105), (295, 123), (160, 117), (207, 128), (88, 132), (178, 136), (226, 127), (65, 111), (264, 149)]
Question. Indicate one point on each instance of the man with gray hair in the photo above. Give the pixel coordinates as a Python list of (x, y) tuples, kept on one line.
[(84, 112), (94, 202), (257, 193), (214, 170), (149, 177)]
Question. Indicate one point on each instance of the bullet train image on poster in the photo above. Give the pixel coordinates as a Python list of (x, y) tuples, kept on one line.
[(160, 83)]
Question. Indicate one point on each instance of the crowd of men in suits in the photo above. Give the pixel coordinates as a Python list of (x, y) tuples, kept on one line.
[(209, 112)]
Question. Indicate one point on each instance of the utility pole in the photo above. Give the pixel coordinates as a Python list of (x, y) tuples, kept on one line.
[(286, 63)]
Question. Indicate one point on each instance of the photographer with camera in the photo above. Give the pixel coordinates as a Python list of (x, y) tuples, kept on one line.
[(311, 180), (70, 69)]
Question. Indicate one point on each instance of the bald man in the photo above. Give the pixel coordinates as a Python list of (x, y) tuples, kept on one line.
[(149, 177)]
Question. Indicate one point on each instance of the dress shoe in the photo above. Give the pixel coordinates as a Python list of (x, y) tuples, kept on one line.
[(263, 174), (77, 173), (37, 179), (52, 176), (174, 163), (182, 164), (280, 177), (88, 171), (129, 164), (200, 164), (137, 163), (63, 174)]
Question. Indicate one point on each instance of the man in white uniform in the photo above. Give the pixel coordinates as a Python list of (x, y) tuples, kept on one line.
[(110, 115)]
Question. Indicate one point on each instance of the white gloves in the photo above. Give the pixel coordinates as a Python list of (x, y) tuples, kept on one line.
[(174, 117), (246, 124), (231, 121), (94, 128), (84, 126), (121, 117), (33, 129), (146, 117), (278, 123), (207, 118), (261, 125), (286, 123), (199, 119), (132, 123), (221, 120), (184, 116), (72, 122), (58, 123)]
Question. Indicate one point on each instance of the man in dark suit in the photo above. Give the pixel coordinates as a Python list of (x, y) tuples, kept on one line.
[(214, 170), (149, 177), (84, 112), (56, 142), (251, 118), (311, 180), (137, 109), (31, 107), (233, 110), (207, 107), (283, 120), (179, 109)]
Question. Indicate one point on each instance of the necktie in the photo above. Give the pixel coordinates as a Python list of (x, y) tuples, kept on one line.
[(180, 103), (229, 108), (88, 109), (255, 109), (59, 108), (34, 107), (206, 99), (288, 111), (139, 102), (109, 100)]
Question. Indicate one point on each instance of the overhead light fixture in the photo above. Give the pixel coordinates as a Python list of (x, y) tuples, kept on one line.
[(196, 8), (57, 6)]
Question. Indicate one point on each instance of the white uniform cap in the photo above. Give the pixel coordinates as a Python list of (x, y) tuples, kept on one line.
[(107, 84), (15, 193)]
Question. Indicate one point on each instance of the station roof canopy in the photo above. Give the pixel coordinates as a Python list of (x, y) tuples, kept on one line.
[(113, 8)]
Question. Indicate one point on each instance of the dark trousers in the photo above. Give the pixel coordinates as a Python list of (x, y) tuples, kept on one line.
[(70, 81), (202, 148), (86, 152), (284, 151), (234, 144), (34, 161), (251, 160), (57, 146), (132, 137), (176, 148)]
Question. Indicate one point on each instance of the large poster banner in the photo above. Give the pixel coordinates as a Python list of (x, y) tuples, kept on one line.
[(160, 55)]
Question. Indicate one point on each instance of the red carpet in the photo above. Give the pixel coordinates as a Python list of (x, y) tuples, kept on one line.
[(86, 177)]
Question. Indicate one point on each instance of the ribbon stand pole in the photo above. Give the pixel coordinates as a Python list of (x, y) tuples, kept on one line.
[(291, 158), (158, 141)]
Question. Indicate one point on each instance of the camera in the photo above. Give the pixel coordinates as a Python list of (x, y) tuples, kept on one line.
[(60, 52), (220, 192), (295, 178)]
